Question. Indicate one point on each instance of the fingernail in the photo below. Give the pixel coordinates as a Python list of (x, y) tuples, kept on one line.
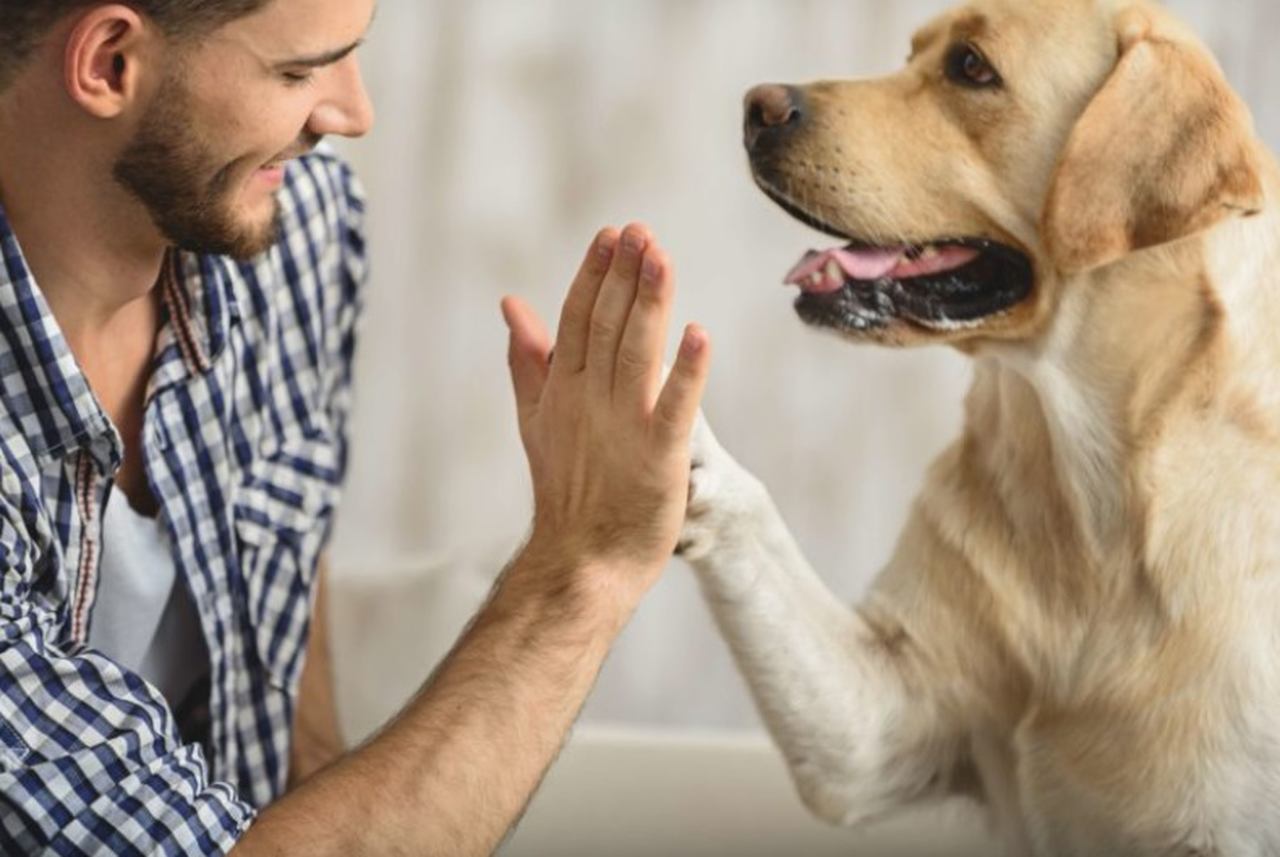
[(605, 246), (694, 341), (650, 271), (633, 241)]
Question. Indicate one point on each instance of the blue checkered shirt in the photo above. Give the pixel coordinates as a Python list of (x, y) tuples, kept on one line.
[(244, 446)]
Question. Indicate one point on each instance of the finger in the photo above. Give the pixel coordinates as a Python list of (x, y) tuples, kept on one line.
[(575, 318), (638, 373), (617, 294), (677, 407), (528, 353)]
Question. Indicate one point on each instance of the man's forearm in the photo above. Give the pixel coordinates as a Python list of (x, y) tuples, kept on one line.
[(454, 771), (317, 737)]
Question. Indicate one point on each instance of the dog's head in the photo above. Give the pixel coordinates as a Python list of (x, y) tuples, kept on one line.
[(1025, 143)]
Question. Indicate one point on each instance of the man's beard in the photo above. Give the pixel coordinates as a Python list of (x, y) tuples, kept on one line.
[(164, 167)]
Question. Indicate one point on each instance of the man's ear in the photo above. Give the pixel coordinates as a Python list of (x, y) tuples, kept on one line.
[(100, 62), (1164, 150)]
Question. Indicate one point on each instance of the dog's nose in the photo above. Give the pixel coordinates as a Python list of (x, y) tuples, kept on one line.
[(772, 111)]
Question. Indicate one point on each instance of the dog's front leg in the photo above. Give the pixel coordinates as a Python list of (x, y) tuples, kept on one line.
[(831, 690)]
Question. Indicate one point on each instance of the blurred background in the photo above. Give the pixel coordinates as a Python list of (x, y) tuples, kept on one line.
[(509, 131)]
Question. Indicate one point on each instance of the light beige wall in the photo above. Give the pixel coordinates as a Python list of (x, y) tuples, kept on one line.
[(509, 130)]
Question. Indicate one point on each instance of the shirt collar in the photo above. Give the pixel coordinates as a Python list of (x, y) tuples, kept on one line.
[(42, 387), (199, 296)]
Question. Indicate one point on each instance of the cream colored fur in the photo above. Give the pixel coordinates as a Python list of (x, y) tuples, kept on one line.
[(1080, 627)]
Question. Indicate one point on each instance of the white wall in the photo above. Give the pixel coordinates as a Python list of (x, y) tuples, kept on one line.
[(509, 130)]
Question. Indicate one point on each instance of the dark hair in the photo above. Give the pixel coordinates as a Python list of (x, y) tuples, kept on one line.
[(23, 23)]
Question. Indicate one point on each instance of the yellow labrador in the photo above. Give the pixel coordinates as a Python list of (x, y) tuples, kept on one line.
[(1081, 624)]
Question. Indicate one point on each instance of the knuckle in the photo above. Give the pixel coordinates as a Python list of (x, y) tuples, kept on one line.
[(595, 268), (690, 367), (669, 419), (633, 364), (675, 398), (603, 327), (651, 298), (575, 313)]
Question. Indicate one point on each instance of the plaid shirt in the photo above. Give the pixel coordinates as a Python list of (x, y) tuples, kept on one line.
[(245, 450)]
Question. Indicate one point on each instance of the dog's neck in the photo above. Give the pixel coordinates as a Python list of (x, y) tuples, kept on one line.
[(1172, 339)]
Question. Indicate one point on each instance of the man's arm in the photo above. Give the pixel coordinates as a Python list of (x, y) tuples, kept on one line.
[(607, 443), (317, 737)]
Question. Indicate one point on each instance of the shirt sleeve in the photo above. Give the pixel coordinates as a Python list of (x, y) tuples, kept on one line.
[(91, 762)]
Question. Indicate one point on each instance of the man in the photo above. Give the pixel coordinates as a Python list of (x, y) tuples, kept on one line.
[(179, 288)]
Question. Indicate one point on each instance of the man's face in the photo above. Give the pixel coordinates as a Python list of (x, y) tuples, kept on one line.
[(209, 153)]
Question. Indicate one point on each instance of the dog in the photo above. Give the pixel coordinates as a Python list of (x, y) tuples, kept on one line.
[(1080, 625)]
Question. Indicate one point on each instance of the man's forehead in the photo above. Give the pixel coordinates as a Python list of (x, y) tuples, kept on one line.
[(286, 29)]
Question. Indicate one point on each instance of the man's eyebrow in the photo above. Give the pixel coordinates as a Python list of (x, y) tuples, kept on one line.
[(320, 60)]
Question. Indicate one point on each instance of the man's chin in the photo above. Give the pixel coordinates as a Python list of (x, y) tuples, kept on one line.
[(243, 237), (258, 239), (253, 246)]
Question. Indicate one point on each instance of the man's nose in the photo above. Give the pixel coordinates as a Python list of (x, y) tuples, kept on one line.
[(773, 113), (347, 112)]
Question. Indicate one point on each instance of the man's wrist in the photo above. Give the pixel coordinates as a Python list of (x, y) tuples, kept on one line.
[(600, 593)]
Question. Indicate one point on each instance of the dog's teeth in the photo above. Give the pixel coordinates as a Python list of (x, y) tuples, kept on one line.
[(816, 278), (834, 271), (929, 252)]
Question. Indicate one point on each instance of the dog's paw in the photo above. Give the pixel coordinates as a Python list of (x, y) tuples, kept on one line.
[(721, 496), (697, 536)]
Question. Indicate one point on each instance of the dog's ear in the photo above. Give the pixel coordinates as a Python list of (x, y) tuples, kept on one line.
[(1164, 150)]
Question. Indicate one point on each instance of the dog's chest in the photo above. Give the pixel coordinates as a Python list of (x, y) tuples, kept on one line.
[(1165, 744)]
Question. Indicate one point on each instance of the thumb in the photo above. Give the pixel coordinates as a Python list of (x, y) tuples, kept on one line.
[(677, 407), (528, 353)]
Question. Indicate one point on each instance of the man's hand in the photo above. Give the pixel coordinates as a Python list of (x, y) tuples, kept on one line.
[(608, 445), (607, 440)]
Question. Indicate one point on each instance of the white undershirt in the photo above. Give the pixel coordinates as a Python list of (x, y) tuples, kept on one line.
[(143, 618)]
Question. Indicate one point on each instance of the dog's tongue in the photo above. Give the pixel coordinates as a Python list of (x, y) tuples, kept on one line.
[(827, 264), (822, 272)]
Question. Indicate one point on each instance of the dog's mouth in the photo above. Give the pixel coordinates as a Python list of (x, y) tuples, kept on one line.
[(943, 285)]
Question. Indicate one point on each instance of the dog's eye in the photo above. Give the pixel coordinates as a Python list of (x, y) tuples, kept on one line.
[(968, 67)]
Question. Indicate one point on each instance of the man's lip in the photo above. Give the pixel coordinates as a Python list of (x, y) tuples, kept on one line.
[(270, 176), (281, 162)]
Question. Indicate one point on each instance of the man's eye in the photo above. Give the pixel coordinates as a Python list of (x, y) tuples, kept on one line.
[(968, 67), (295, 78)]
